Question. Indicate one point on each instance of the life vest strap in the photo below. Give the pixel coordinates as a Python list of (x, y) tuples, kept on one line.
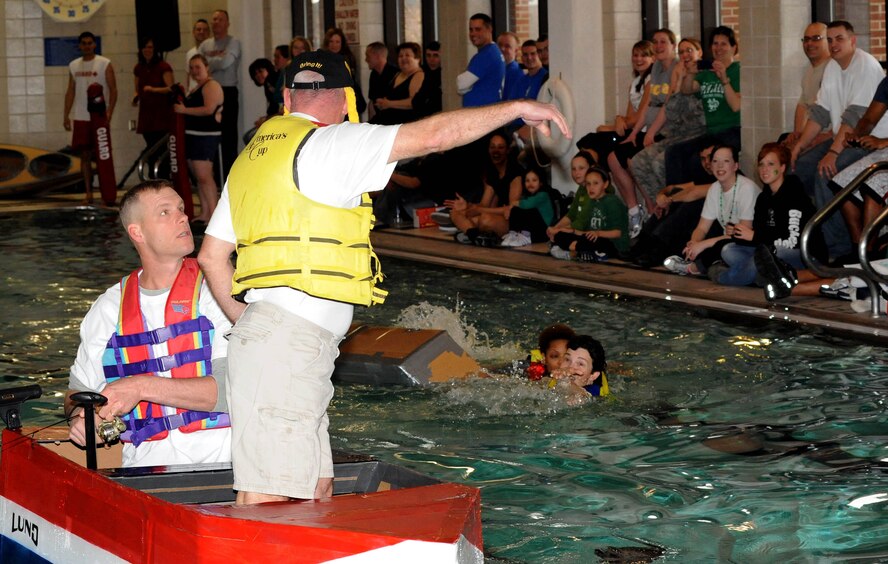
[(160, 364), (141, 430), (163, 334)]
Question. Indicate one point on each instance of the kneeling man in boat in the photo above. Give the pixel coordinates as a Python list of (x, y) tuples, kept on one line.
[(148, 343), (296, 209)]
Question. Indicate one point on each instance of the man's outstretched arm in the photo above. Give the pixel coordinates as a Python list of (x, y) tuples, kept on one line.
[(447, 130)]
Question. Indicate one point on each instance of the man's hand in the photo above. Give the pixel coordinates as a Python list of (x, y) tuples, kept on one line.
[(827, 165), (538, 115), (77, 431), (67, 123), (123, 395)]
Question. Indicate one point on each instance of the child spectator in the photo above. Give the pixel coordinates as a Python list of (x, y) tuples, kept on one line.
[(576, 212), (532, 215), (605, 232)]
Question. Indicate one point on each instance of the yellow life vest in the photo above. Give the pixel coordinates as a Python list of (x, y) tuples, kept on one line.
[(286, 239)]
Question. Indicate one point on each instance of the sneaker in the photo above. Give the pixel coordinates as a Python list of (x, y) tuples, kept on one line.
[(636, 221), (592, 256), (442, 218), (487, 239), (780, 278), (463, 238), (559, 253), (839, 290), (678, 265), (516, 239)]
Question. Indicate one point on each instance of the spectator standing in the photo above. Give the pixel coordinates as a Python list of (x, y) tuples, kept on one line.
[(482, 81), (223, 53), (87, 69), (200, 32), (428, 100), (508, 46), (542, 44), (153, 79), (335, 41), (299, 45), (382, 73), (397, 104)]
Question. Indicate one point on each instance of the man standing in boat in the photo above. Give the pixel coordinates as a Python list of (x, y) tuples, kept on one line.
[(148, 343), (296, 209)]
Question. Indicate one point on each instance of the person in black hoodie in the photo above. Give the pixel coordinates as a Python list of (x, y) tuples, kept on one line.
[(781, 212)]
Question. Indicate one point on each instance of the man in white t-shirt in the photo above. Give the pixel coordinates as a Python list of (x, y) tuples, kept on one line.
[(200, 32), (295, 207), (83, 71), (149, 343)]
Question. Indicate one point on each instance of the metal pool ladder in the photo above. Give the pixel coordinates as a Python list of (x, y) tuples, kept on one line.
[(866, 272)]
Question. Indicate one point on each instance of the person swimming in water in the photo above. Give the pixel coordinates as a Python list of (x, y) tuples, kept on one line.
[(552, 346), (583, 367)]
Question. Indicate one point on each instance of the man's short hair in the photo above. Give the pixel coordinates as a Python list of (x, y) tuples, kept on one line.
[(84, 35), (513, 35), (433, 46), (129, 203), (284, 50), (529, 43), (841, 23), (484, 18), (200, 20), (224, 12), (378, 47), (543, 38)]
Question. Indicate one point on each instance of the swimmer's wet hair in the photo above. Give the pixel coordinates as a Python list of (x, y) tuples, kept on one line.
[(596, 351), (555, 332)]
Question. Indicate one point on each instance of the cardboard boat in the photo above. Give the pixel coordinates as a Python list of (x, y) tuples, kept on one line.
[(52, 509), (397, 356), (29, 170)]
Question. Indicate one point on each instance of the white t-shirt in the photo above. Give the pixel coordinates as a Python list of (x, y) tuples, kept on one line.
[(87, 374), (336, 166), (732, 206), (853, 86), (84, 74)]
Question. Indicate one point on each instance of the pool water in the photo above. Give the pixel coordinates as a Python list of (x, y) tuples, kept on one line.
[(720, 442)]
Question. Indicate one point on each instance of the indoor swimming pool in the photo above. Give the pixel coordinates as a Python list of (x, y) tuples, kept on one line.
[(719, 443)]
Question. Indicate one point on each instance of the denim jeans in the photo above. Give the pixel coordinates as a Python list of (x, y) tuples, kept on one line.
[(741, 263)]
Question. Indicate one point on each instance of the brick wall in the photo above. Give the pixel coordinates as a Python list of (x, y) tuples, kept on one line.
[(877, 29)]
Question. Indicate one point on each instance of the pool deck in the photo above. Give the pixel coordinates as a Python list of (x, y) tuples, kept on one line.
[(433, 246), (430, 245)]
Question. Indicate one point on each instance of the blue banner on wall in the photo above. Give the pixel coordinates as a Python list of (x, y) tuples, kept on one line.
[(59, 51)]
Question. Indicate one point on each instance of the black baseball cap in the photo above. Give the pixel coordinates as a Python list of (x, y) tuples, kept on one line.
[(332, 66)]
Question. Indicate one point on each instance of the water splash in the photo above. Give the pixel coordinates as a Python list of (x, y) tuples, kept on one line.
[(477, 343)]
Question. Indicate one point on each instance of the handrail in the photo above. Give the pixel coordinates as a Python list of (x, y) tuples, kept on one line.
[(865, 272), (152, 155)]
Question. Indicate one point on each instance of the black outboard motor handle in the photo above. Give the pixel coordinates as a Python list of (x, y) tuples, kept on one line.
[(88, 401), (11, 401)]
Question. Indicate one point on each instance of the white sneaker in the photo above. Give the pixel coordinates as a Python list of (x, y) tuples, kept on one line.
[(636, 221), (516, 239), (559, 253), (678, 265)]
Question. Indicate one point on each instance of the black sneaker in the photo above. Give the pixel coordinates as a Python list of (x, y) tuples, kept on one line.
[(780, 278), (487, 239)]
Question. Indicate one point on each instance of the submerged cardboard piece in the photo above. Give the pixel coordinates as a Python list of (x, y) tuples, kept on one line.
[(397, 356)]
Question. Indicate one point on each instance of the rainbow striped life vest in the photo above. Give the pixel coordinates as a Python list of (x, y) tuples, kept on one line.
[(189, 338)]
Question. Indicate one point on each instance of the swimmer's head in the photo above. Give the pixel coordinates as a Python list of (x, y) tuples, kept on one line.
[(553, 344), (584, 361)]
